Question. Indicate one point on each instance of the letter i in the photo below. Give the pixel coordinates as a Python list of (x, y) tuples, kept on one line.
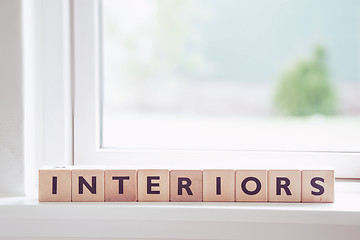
[(218, 185), (54, 185)]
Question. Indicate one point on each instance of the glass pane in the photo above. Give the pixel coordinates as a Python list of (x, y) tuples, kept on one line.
[(231, 74)]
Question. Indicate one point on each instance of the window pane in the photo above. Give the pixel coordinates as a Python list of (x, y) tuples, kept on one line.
[(230, 74)]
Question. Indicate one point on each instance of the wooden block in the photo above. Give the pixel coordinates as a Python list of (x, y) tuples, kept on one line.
[(54, 185), (284, 186), (120, 185), (153, 185), (218, 185), (251, 185), (318, 186), (186, 185), (88, 185)]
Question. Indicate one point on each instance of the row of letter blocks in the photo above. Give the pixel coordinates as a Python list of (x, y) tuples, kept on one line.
[(65, 185)]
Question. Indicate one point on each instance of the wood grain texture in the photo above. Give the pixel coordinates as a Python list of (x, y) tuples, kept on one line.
[(120, 185), (186, 185), (218, 185), (284, 186), (94, 192), (251, 185), (54, 185), (318, 186), (153, 185)]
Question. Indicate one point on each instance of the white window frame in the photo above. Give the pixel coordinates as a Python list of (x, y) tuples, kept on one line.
[(46, 87), (87, 147)]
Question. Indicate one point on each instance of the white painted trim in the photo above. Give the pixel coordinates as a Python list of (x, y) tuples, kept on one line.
[(47, 91), (86, 72), (57, 112), (87, 149)]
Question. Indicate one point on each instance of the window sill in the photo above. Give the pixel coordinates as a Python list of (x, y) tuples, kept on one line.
[(23, 217)]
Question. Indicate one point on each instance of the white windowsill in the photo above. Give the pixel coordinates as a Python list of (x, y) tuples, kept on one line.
[(23, 217)]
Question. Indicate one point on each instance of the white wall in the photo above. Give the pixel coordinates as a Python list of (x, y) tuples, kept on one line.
[(11, 99)]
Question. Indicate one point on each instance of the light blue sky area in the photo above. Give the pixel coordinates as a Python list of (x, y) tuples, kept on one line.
[(258, 40)]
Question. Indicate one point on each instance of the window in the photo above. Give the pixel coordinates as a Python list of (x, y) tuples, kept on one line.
[(197, 84)]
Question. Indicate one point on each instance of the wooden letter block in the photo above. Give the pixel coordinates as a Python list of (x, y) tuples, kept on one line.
[(120, 185), (88, 185), (251, 185), (284, 185), (318, 186), (153, 185), (186, 185), (54, 185), (218, 185)]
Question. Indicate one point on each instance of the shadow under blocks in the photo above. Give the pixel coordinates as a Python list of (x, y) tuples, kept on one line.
[(163, 185)]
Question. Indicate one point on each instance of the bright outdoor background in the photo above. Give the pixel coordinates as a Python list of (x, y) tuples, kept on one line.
[(231, 74)]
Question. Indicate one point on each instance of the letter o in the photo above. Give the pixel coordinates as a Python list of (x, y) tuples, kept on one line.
[(257, 189)]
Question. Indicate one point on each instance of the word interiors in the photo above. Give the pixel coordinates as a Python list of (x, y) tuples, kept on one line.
[(145, 185)]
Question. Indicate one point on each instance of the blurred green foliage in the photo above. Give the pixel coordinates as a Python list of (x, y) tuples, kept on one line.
[(305, 89)]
